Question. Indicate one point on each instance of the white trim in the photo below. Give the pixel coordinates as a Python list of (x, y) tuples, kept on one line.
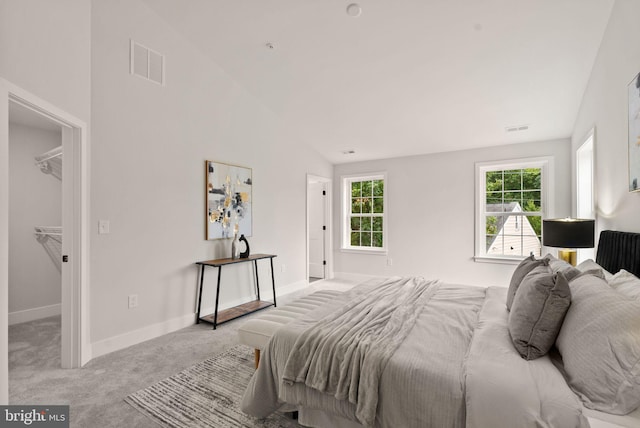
[(587, 146), (140, 335), (287, 289), (4, 242), (153, 331), (546, 163), (366, 250), (75, 189), (266, 293), (500, 260), (355, 278), (27, 315), (345, 211), (586, 151)]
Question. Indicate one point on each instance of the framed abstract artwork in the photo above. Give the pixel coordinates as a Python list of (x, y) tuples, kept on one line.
[(634, 134), (228, 200)]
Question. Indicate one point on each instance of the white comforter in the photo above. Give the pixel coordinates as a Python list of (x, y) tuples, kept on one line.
[(455, 368)]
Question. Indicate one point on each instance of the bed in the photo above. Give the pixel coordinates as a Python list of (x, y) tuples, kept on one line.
[(412, 352)]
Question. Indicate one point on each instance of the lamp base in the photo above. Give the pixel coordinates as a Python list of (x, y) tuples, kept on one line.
[(569, 256)]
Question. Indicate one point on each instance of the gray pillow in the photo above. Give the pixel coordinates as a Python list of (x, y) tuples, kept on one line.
[(558, 265), (589, 264), (600, 346), (525, 266), (537, 312)]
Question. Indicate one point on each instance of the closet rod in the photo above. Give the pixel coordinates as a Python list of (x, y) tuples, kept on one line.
[(48, 233), (54, 153)]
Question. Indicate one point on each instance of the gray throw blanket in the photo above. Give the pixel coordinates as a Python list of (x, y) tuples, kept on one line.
[(345, 353)]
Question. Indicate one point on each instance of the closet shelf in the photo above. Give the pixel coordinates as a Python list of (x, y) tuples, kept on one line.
[(48, 230), (51, 162)]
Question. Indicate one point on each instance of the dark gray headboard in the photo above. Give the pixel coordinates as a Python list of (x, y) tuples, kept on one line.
[(619, 250)]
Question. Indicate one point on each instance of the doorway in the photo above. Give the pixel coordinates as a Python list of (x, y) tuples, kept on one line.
[(35, 239), (318, 228), (74, 215)]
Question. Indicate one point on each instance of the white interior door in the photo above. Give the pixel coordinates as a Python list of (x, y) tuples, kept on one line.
[(317, 229)]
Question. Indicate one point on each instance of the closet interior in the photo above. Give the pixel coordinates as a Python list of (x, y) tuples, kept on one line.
[(50, 237)]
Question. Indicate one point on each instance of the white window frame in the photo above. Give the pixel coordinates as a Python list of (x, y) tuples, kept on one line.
[(585, 189), (346, 181), (545, 163)]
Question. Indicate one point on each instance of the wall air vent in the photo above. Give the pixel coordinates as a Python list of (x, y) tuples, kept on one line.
[(146, 63), (516, 128)]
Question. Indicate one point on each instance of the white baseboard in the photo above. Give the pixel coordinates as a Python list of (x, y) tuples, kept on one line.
[(140, 335), (291, 288), (355, 277), (134, 337), (264, 295), (34, 314)]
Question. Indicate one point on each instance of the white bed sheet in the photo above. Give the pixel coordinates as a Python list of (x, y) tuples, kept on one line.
[(419, 397)]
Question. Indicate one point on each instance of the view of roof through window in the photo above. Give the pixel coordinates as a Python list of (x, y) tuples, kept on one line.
[(513, 212)]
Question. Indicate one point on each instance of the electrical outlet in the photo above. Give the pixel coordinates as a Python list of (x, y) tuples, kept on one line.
[(133, 301), (389, 261), (283, 268)]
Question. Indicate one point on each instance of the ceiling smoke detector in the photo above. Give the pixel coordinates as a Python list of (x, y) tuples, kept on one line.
[(348, 152), (354, 10)]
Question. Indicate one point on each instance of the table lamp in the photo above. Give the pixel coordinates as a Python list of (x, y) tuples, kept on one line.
[(568, 234)]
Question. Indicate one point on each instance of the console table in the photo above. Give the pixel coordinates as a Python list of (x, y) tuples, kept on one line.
[(240, 310)]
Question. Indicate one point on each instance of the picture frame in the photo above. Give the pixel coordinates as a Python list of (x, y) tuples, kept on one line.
[(633, 91), (228, 206)]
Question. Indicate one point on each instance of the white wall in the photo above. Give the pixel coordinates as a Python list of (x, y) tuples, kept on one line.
[(45, 48), (148, 148), (604, 107), (35, 199), (149, 144), (431, 213)]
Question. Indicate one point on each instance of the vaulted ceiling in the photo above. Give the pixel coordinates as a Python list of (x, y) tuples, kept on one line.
[(404, 77)]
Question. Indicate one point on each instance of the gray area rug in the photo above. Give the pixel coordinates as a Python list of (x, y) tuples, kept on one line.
[(206, 395)]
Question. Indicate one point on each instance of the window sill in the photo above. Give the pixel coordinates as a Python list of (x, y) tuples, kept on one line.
[(499, 260), (376, 252)]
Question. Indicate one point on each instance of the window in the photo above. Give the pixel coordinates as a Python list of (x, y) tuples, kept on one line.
[(512, 199), (364, 212)]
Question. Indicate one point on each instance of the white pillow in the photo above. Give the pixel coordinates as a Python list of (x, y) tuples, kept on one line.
[(589, 264), (626, 283)]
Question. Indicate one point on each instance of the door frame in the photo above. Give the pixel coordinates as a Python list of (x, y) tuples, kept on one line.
[(588, 147), (75, 218), (328, 253)]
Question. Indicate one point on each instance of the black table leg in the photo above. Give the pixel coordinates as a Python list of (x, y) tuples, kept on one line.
[(215, 315), (255, 269), (273, 282), (200, 295)]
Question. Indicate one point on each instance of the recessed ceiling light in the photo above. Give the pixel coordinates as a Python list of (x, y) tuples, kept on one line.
[(354, 10)]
